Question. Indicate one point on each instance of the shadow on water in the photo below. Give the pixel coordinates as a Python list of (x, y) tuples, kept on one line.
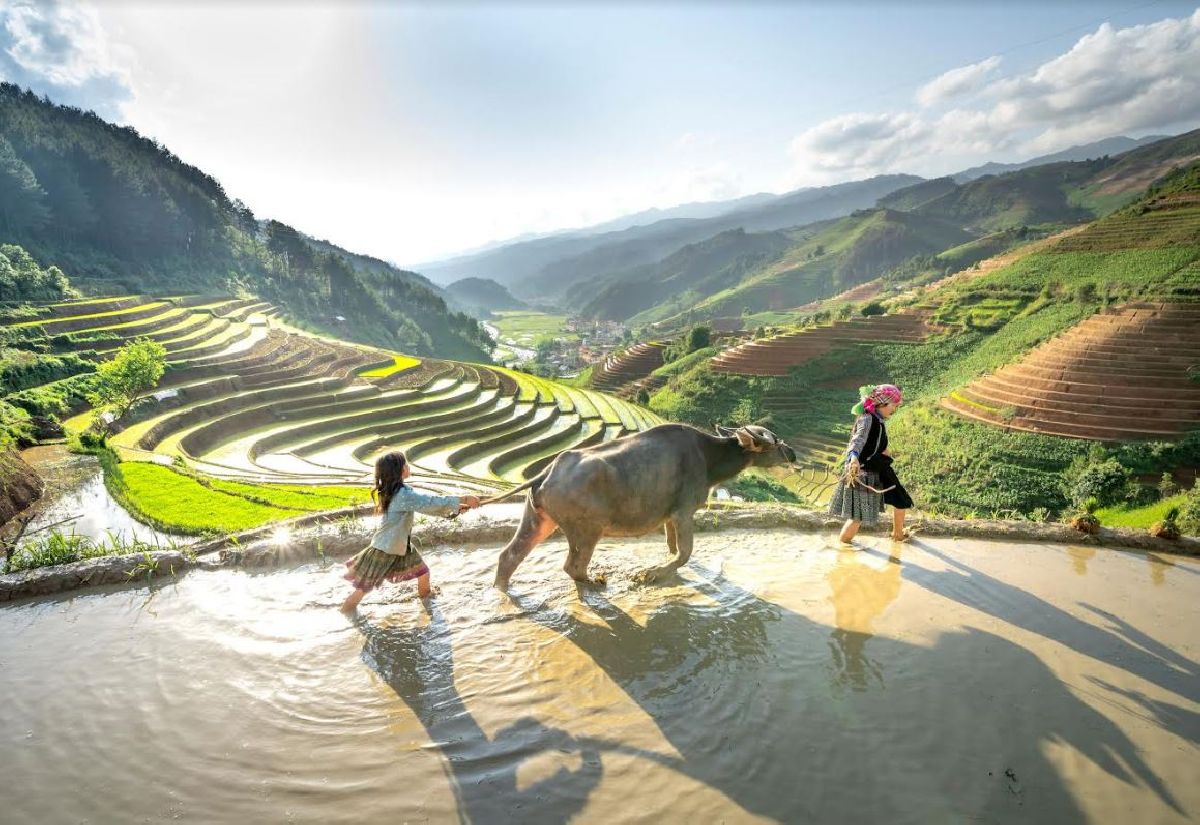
[(959, 732), (418, 664), (1124, 646), (784, 741)]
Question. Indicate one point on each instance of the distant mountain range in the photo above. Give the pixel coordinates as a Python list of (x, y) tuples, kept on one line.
[(548, 267), (737, 272), (577, 262), (1086, 151)]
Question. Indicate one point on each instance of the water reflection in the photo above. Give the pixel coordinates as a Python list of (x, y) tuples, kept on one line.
[(860, 592), (1080, 556), (1158, 568)]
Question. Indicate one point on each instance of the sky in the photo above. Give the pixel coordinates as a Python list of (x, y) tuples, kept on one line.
[(413, 131)]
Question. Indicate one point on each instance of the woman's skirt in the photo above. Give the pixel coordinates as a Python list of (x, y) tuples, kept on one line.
[(856, 501), (898, 497), (860, 504), (371, 568)]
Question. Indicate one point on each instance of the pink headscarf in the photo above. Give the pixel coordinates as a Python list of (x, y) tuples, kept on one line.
[(877, 396)]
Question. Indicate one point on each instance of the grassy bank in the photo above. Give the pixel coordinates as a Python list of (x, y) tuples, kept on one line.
[(178, 502)]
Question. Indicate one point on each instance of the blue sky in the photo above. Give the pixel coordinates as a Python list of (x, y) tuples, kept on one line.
[(414, 131)]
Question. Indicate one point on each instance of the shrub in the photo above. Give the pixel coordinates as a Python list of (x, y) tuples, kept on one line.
[(1189, 513), (1168, 528), (1105, 481), (872, 308)]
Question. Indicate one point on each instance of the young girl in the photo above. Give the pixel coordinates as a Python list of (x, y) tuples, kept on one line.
[(870, 482), (390, 556)]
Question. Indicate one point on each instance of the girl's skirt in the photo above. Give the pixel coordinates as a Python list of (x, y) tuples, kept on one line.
[(860, 504), (371, 568)]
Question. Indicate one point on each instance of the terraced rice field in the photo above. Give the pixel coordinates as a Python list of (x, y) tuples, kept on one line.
[(1121, 374), (778, 354), (617, 372), (247, 399)]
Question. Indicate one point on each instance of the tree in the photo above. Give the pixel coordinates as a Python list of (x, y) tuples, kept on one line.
[(699, 338), (22, 198), (134, 371)]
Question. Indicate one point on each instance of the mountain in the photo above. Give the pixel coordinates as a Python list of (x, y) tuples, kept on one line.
[(696, 210), (643, 245), (480, 297), (1056, 192), (120, 213), (528, 268), (919, 194), (738, 271), (683, 278), (1086, 151)]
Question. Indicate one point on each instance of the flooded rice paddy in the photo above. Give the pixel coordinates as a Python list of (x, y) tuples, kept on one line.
[(76, 501), (778, 678)]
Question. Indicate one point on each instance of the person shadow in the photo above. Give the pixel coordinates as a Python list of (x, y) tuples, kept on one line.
[(735, 688), (417, 663)]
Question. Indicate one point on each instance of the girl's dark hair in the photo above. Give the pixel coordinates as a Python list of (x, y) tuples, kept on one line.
[(389, 472)]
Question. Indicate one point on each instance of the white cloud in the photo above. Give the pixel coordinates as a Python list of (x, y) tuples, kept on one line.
[(1113, 81), (62, 50), (959, 82)]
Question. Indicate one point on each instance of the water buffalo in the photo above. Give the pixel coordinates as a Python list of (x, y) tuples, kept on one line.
[(631, 486)]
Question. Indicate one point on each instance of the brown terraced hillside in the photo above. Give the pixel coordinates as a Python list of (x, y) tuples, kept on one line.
[(775, 356), (635, 363), (1121, 374)]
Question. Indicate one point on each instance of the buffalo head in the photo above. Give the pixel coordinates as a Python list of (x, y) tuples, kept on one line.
[(767, 449)]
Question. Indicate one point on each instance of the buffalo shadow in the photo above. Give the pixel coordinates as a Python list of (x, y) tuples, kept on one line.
[(735, 691)]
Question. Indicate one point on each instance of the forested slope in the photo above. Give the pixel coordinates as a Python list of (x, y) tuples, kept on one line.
[(120, 213)]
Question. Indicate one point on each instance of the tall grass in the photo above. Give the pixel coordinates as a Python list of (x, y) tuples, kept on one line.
[(56, 547)]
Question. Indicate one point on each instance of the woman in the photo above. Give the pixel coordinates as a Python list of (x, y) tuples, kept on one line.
[(869, 482)]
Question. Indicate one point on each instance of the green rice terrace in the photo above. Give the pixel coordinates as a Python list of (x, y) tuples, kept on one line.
[(255, 421)]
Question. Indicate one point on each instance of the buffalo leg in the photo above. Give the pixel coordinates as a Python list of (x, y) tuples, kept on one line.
[(581, 545), (536, 525), (681, 526), (672, 537)]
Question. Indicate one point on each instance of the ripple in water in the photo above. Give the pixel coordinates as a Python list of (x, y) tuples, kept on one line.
[(776, 678)]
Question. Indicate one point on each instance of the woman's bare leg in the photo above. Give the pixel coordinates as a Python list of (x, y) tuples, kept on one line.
[(423, 588), (849, 531), (351, 603), (898, 524)]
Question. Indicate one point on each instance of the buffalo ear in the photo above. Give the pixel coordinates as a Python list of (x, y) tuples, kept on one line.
[(724, 432), (747, 441)]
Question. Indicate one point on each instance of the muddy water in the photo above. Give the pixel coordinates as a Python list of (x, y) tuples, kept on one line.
[(778, 678), (76, 500)]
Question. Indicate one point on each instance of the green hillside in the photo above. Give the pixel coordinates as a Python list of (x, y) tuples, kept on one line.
[(919, 194), (1028, 196), (1064, 192), (1149, 250), (685, 278), (840, 255), (120, 214), (480, 297)]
